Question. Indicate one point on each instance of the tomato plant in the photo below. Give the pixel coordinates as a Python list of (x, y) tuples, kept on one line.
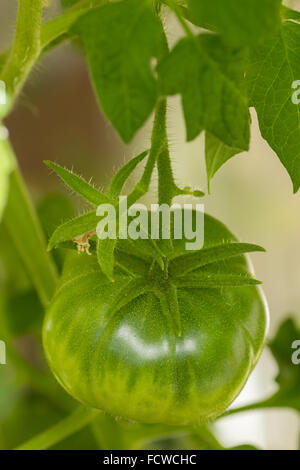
[(142, 327)]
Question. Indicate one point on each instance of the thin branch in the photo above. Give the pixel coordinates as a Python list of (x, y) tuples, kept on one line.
[(80, 418)]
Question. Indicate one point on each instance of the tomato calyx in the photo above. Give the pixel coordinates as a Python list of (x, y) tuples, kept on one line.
[(190, 270), (181, 272)]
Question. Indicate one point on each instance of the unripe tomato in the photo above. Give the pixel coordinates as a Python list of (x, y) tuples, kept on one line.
[(124, 354)]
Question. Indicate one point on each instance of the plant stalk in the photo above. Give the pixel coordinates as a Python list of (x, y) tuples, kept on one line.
[(25, 230), (268, 403), (80, 418), (25, 49)]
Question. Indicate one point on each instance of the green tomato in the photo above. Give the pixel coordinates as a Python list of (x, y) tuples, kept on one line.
[(117, 345)]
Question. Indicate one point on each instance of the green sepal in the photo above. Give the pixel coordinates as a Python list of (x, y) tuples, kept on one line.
[(184, 264), (123, 174), (131, 264), (169, 304), (216, 281), (132, 289), (106, 257), (73, 228), (79, 185)]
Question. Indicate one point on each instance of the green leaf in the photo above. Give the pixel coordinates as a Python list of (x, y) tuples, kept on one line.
[(239, 23), (123, 174), (73, 228), (288, 378), (233, 63), (184, 264), (120, 40), (7, 165), (211, 99), (290, 14), (79, 185), (58, 27), (274, 67), (190, 16), (216, 154)]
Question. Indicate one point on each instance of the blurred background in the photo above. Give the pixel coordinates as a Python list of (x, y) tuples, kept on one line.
[(57, 118)]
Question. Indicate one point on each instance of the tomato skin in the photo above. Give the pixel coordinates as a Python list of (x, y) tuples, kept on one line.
[(133, 364)]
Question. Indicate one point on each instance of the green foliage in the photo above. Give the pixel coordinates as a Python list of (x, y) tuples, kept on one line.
[(283, 347), (211, 98), (288, 378), (274, 67), (233, 63), (120, 46), (289, 13), (240, 23), (119, 40), (58, 29), (216, 154)]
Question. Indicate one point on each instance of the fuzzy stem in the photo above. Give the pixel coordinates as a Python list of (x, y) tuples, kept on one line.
[(165, 174), (158, 143)]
